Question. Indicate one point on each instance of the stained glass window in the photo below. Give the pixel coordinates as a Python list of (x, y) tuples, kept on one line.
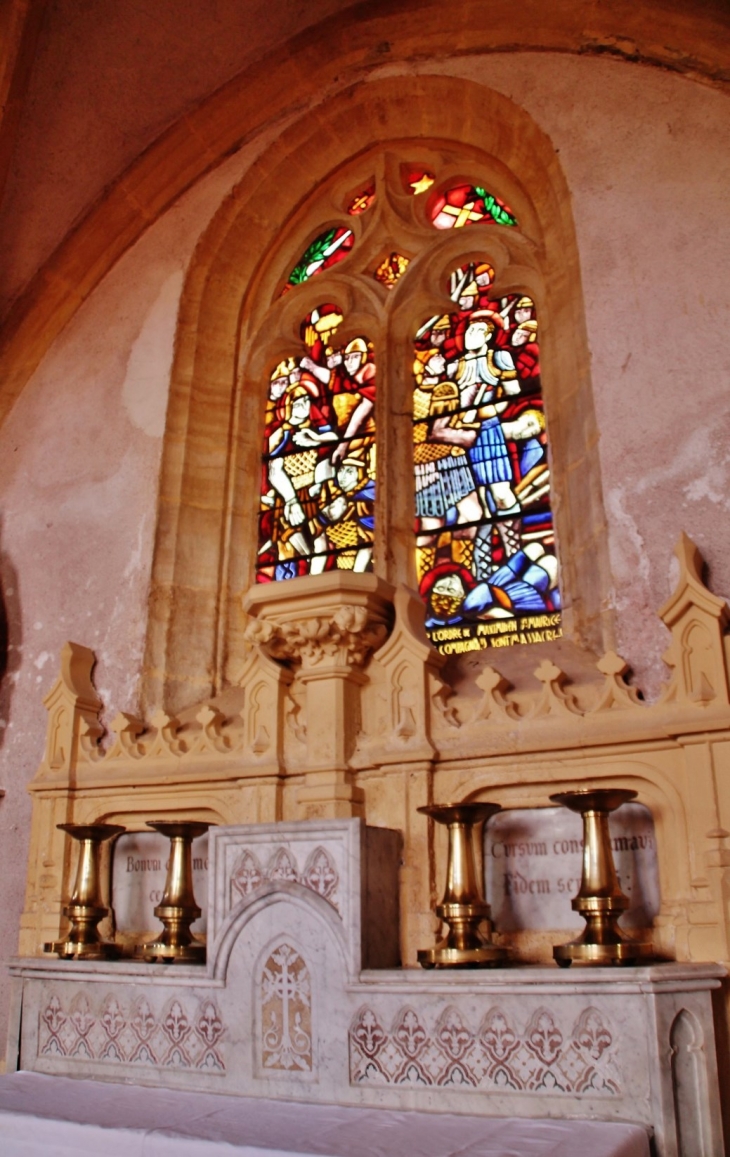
[(318, 467), (361, 201), (469, 205), (390, 269), (485, 545), (324, 252), (418, 180)]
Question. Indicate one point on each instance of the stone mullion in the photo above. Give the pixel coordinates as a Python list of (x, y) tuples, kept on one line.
[(394, 555)]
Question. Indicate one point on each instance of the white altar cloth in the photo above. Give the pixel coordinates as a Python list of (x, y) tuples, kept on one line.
[(63, 1117)]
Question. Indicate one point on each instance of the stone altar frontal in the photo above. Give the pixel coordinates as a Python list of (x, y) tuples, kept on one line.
[(284, 1008)]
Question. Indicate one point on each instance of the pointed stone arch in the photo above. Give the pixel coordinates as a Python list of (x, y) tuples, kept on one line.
[(205, 539)]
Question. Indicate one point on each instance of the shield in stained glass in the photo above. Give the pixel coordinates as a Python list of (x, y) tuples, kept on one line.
[(485, 544), (317, 508), (469, 205)]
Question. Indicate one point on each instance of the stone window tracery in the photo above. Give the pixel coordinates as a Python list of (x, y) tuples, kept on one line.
[(484, 555)]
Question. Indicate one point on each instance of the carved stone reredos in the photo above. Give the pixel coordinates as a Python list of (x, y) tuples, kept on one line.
[(337, 618)]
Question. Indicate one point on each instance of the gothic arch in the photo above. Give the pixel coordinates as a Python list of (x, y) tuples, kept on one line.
[(212, 448)]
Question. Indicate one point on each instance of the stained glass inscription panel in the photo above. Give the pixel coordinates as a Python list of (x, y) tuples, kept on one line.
[(485, 544), (317, 510)]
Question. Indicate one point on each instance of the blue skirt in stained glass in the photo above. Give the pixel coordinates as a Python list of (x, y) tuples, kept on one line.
[(489, 458)]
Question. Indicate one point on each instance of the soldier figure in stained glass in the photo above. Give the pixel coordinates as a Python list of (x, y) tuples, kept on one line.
[(318, 481), (485, 544), (484, 377)]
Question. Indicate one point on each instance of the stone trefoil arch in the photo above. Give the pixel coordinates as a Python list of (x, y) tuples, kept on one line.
[(235, 327)]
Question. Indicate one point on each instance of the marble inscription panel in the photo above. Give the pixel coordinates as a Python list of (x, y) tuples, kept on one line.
[(138, 879), (533, 860)]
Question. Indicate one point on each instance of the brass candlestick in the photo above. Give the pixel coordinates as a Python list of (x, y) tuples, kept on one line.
[(463, 907), (85, 908), (177, 910), (600, 900)]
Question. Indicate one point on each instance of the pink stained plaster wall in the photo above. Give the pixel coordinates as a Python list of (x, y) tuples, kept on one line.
[(646, 157), (79, 466)]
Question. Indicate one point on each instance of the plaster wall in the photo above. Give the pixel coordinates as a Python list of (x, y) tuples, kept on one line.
[(646, 157)]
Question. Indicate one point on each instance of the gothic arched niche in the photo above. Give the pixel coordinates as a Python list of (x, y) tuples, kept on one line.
[(237, 325)]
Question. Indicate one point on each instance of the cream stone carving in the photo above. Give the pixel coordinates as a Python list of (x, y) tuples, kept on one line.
[(73, 708), (346, 638), (127, 730), (553, 700), (698, 621), (286, 1012), (104, 1027), (616, 692), (494, 705), (408, 700), (325, 626)]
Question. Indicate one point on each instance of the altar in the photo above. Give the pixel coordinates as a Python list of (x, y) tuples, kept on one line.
[(301, 1001)]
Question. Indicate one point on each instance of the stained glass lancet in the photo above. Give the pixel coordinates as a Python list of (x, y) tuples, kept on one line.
[(485, 544), (317, 509)]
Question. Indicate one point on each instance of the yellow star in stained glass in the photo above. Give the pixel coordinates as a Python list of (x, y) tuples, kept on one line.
[(420, 184)]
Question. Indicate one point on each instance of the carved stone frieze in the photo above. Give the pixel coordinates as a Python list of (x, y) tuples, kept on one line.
[(496, 1053), (107, 1028)]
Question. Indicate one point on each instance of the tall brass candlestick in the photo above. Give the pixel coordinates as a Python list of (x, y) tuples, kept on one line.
[(85, 908), (463, 907), (600, 900), (177, 910)]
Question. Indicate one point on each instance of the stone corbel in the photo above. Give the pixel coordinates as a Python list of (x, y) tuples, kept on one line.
[(324, 628), (698, 621)]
